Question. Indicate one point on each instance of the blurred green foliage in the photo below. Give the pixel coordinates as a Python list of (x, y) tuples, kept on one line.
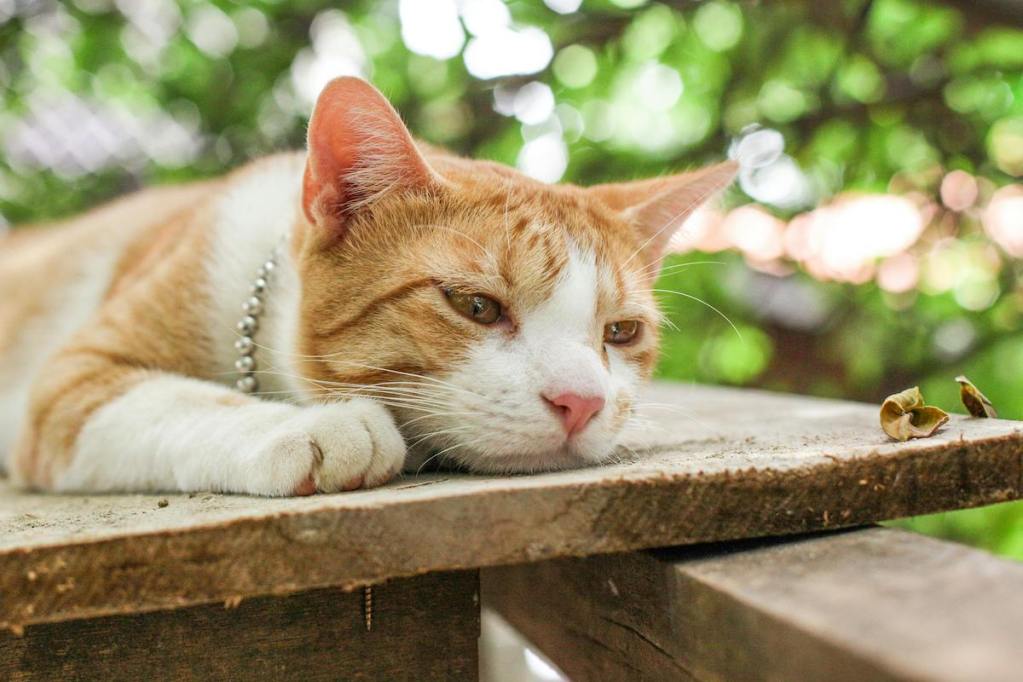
[(871, 96)]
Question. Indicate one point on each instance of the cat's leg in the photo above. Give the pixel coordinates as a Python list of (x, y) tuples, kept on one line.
[(126, 429)]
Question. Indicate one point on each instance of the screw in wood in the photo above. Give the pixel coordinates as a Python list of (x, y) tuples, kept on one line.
[(367, 606)]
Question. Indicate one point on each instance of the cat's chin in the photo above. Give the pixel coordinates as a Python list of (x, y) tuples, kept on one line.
[(568, 456)]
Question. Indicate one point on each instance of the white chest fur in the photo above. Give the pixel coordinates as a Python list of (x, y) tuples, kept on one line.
[(252, 220)]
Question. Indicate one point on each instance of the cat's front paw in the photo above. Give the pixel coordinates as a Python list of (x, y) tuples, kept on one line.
[(330, 448)]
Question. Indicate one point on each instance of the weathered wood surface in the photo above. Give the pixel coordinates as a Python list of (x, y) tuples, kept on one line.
[(872, 604), (720, 464), (424, 628)]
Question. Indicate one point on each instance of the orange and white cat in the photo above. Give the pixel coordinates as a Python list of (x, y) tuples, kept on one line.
[(395, 298)]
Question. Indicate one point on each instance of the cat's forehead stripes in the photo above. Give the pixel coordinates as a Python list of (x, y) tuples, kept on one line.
[(533, 256), (546, 262)]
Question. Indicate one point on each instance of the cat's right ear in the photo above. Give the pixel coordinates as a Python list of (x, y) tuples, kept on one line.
[(657, 207), (358, 149)]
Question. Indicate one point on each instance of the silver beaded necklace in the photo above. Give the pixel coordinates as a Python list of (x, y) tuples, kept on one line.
[(248, 325), (252, 310)]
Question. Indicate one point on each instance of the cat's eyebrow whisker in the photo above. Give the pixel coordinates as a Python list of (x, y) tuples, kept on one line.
[(700, 300), (448, 228), (508, 241), (654, 268), (490, 255)]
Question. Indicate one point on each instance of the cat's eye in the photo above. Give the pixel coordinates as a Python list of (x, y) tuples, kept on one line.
[(621, 332), (476, 307)]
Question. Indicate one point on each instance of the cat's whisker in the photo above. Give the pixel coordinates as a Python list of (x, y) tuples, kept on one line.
[(709, 305), (394, 399), (654, 268), (437, 414), (434, 434), (441, 454), (418, 388), (667, 407), (332, 356), (667, 322), (447, 228), (400, 401), (371, 389), (422, 466), (431, 379), (448, 449)]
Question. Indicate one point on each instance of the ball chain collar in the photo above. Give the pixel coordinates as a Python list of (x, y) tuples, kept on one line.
[(247, 327), (252, 310)]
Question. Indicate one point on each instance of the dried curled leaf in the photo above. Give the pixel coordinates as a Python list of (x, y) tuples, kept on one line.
[(976, 402), (904, 415)]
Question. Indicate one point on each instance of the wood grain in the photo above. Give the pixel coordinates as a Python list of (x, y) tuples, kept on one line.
[(424, 628), (719, 464), (872, 604)]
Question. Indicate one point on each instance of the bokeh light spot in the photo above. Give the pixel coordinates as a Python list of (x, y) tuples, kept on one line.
[(1005, 145), (1003, 219), (718, 25), (534, 103), (431, 27), (544, 158), (508, 52), (575, 66), (563, 6)]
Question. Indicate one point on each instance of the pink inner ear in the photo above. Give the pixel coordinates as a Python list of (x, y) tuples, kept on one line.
[(358, 149)]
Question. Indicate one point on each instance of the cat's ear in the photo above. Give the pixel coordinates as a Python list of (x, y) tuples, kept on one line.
[(658, 207), (358, 149)]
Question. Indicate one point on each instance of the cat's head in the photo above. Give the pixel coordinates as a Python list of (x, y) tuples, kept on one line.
[(508, 323)]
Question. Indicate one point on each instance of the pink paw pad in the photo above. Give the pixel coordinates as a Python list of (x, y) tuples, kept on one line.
[(306, 487), (354, 484)]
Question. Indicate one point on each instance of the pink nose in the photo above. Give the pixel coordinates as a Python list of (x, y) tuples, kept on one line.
[(575, 411)]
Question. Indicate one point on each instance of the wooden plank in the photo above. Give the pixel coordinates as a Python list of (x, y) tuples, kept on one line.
[(872, 604), (424, 628), (721, 464)]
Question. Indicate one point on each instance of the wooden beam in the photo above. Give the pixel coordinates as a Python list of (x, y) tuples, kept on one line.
[(423, 628), (719, 464), (873, 604)]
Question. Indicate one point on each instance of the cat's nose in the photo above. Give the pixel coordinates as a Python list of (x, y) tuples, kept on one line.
[(574, 410)]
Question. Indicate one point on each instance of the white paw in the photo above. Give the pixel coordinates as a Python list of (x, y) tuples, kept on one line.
[(329, 448)]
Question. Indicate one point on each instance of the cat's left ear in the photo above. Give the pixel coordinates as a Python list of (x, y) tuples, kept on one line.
[(658, 207)]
